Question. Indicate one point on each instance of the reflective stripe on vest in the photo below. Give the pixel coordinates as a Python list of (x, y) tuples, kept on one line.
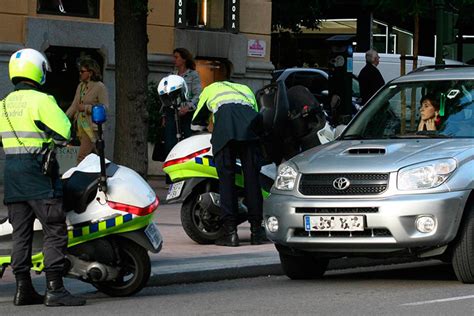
[(22, 150), (228, 101), (40, 135)]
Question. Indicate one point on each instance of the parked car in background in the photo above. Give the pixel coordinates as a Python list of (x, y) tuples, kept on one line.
[(385, 187), (389, 65), (317, 82)]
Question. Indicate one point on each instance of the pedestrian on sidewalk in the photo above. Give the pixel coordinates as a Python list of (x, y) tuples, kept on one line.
[(30, 125), (89, 91), (370, 78), (233, 110)]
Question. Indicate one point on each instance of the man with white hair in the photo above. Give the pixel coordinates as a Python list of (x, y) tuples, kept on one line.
[(370, 78)]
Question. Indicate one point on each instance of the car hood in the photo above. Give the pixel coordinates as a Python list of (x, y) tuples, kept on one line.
[(385, 156)]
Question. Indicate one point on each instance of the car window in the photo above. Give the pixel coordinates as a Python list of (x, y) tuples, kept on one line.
[(396, 111), (355, 88), (314, 81)]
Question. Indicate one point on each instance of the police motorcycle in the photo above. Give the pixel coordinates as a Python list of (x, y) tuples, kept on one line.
[(110, 229), (291, 121)]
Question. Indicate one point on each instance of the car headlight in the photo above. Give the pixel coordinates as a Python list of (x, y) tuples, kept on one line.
[(426, 175), (286, 177)]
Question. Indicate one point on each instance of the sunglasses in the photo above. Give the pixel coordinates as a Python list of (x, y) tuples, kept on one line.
[(82, 71)]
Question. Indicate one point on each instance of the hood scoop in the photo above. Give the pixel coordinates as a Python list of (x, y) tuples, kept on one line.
[(366, 151)]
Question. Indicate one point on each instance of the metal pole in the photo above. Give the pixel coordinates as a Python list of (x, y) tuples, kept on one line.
[(439, 7)]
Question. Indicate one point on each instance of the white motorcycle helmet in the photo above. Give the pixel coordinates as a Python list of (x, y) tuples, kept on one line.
[(173, 91), (30, 64)]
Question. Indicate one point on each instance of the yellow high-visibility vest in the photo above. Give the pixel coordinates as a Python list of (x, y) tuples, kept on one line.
[(31, 114)]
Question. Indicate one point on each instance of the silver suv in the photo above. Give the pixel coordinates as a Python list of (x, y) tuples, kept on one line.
[(398, 182)]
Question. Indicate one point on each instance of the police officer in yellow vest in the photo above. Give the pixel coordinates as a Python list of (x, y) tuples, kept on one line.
[(235, 115), (30, 123)]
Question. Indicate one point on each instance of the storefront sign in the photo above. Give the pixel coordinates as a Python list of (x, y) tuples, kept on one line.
[(233, 16), (180, 14), (256, 48)]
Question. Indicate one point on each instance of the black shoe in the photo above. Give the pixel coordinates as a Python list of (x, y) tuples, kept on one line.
[(257, 234), (57, 295), (229, 239), (26, 294)]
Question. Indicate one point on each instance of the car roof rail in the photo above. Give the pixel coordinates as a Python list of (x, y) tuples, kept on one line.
[(439, 66)]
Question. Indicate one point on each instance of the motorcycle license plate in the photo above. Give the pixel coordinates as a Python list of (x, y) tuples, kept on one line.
[(174, 190), (153, 235), (334, 223)]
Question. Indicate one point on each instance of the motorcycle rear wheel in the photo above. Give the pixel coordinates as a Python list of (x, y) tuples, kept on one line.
[(135, 271), (201, 226)]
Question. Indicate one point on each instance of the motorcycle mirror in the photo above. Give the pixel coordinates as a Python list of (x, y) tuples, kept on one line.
[(98, 114)]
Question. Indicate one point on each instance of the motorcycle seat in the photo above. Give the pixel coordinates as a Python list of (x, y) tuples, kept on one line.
[(79, 190)]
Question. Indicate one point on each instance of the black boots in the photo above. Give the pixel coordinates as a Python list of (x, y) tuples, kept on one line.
[(257, 234), (26, 294), (57, 295), (230, 237)]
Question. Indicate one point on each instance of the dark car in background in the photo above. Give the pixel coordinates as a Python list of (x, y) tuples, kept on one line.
[(317, 82)]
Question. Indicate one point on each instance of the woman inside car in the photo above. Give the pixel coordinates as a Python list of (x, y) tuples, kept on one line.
[(429, 114)]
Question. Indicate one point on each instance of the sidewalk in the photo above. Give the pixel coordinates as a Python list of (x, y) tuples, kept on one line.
[(183, 261)]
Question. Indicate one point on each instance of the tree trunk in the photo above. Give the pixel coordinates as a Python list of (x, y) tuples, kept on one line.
[(416, 40), (131, 75)]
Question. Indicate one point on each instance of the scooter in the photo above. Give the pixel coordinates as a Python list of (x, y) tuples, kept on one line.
[(292, 121), (110, 224)]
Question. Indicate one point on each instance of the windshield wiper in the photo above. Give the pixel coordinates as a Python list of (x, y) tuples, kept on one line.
[(421, 134), (352, 136)]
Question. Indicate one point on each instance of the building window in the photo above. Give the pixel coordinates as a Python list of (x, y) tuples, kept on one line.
[(208, 14), (83, 8)]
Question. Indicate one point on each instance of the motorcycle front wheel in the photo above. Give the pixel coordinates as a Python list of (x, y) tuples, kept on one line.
[(135, 271), (199, 224)]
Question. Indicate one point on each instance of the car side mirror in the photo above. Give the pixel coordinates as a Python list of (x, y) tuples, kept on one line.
[(98, 114)]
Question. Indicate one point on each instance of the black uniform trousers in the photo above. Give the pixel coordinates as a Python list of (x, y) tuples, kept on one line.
[(225, 160), (53, 219)]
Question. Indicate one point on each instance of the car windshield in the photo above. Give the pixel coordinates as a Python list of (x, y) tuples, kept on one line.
[(435, 109)]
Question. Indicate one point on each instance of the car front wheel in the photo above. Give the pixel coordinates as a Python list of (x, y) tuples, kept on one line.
[(463, 252), (303, 266)]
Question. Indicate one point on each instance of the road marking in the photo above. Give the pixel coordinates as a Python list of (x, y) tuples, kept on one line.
[(458, 298)]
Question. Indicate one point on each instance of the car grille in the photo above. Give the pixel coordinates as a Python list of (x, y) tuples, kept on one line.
[(368, 232), (333, 210), (360, 184)]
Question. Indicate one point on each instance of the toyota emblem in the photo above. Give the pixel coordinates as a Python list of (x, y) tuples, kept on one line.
[(341, 183)]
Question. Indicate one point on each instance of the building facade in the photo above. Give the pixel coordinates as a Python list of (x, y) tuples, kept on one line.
[(223, 35)]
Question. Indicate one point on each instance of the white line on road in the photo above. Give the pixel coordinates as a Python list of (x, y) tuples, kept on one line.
[(449, 299)]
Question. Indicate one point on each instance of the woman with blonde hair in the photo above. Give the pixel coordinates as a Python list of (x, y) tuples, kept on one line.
[(89, 92)]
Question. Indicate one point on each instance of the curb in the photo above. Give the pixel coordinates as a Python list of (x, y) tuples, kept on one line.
[(216, 268)]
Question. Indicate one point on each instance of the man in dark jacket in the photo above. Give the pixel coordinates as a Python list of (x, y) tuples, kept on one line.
[(370, 79), (31, 122), (234, 111)]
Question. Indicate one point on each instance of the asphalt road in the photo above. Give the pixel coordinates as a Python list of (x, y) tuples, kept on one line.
[(426, 288)]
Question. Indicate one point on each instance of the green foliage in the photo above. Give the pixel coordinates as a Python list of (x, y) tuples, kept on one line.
[(405, 7), (154, 113), (294, 14)]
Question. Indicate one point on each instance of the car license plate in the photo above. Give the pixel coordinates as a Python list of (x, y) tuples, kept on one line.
[(153, 235), (174, 190), (334, 223)]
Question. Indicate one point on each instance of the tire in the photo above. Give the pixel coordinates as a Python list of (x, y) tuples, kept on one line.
[(303, 266), (200, 225), (135, 271), (463, 251)]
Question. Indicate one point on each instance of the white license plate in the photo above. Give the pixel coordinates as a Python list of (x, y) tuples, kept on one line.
[(153, 235), (174, 190), (334, 223)]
